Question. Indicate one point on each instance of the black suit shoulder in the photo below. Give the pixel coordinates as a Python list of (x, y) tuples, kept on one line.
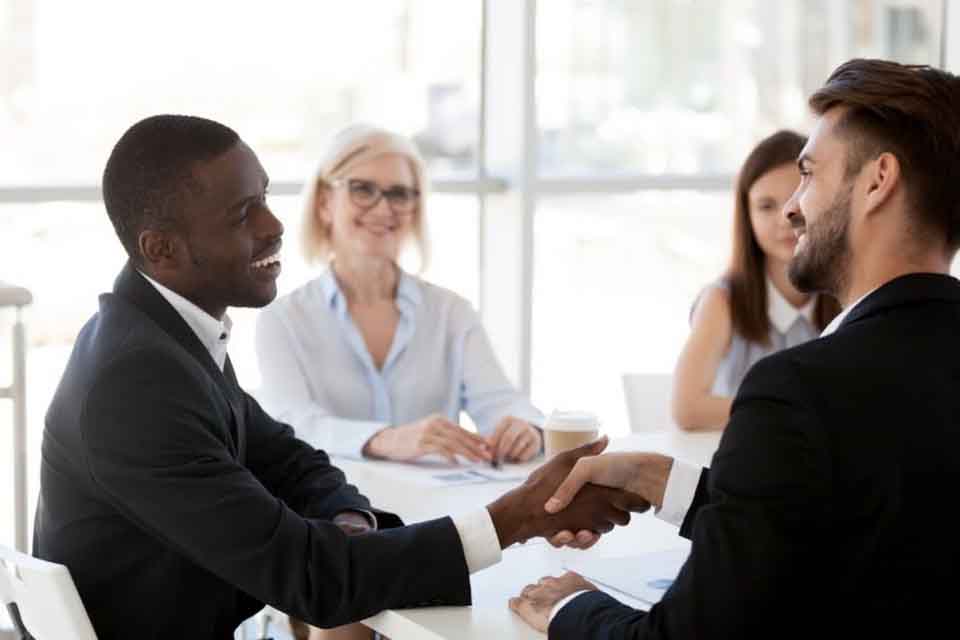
[(837, 458)]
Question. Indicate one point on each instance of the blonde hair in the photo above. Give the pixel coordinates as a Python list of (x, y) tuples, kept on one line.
[(349, 148)]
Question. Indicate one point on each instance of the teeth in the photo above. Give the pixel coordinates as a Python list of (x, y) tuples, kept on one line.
[(266, 262)]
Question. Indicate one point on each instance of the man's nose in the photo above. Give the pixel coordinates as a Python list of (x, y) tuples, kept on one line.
[(791, 209), (271, 226)]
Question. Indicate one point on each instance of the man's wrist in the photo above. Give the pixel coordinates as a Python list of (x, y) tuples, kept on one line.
[(651, 478), (508, 521)]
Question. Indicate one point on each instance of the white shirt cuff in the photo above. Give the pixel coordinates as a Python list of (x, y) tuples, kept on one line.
[(678, 496), (481, 545), (562, 603)]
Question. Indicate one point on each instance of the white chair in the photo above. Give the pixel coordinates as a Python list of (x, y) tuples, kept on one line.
[(18, 298), (44, 597), (648, 401)]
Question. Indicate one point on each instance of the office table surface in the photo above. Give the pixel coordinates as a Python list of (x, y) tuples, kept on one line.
[(392, 487)]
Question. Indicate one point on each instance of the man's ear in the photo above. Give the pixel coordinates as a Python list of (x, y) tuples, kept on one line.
[(883, 177), (160, 250)]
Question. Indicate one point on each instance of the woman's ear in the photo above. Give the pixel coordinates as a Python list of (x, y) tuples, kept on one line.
[(321, 204)]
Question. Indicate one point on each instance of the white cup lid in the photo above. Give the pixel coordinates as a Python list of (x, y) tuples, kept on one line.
[(572, 421)]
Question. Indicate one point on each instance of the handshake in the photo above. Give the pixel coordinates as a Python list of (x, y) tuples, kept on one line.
[(577, 496)]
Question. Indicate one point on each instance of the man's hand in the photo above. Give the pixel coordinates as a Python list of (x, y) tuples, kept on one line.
[(536, 601), (515, 440), (519, 514), (433, 434), (353, 523), (644, 474)]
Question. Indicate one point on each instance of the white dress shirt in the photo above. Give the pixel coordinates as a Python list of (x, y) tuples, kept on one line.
[(319, 377), (213, 334)]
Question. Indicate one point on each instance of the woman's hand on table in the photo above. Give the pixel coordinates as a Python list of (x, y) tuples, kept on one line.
[(434, 434), (515, 440)]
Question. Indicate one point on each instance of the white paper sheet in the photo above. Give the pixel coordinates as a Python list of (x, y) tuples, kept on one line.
[(645, 576), (436, 471)]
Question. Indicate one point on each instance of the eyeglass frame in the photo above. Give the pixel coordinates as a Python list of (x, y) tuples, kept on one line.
[(381, 194)]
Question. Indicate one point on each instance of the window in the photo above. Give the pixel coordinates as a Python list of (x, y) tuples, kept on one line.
[(285, 77), (645, 112), (615, 278), (684, 87)]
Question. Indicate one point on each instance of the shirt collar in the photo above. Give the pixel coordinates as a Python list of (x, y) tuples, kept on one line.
[(408, 288), (213, 334), (782, 314), (840, 317)]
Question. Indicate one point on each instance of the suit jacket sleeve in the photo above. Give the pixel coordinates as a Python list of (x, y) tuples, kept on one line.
[(155, 445), (700, 497), (756, 544), (299, 474)]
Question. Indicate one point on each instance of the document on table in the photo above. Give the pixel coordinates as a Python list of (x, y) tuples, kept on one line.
[(436, 471), (644, 577), (476, 475)]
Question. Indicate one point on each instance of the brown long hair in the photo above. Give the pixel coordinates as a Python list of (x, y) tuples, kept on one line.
[(746, 276)]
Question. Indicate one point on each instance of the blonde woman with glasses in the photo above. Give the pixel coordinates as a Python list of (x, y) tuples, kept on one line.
[(367, 360)]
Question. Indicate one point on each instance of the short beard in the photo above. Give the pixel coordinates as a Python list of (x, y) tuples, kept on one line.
[(822, 265)]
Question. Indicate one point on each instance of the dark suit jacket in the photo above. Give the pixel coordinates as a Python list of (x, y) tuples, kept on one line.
[(824, 509), (180, 507)]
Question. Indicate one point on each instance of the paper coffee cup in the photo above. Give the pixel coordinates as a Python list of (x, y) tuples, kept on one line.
[(565, 430)]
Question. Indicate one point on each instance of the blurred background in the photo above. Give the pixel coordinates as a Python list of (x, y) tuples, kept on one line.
[(582, 152)]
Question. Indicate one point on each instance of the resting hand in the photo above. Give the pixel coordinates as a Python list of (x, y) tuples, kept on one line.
[(433, 434), (536, 601), (515, 440), (353, 523)]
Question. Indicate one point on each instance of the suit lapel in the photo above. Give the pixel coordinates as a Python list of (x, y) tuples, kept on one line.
[(238, 403), (132, 286)]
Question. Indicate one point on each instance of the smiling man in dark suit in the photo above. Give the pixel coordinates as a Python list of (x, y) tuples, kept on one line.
[(178, 505), (823, 513)]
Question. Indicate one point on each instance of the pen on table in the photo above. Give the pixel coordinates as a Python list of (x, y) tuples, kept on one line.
[(495, 460)]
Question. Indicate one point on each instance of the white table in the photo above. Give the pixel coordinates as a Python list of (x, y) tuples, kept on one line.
[(391, 487)]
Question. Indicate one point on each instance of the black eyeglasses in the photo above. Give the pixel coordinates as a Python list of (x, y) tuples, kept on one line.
[(366, 194)]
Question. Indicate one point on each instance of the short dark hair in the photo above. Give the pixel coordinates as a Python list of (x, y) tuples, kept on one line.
[(149, 171), (913, 112)]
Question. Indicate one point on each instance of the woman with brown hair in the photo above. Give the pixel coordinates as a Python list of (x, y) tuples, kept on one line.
[(753, 310)]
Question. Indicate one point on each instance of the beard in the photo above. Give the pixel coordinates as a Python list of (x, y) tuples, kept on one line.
[(820, 265)]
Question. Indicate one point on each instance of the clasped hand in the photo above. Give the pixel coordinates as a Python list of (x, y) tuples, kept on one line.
[(519, 514)]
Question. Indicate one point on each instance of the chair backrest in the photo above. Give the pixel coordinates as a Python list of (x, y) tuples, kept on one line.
[(45, 597), (648, 401)]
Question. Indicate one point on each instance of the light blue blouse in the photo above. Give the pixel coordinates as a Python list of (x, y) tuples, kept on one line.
[(319, 377), (789, 327)]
